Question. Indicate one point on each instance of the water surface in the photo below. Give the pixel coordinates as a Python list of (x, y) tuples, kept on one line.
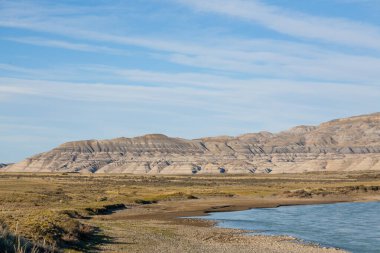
[(351, 226)]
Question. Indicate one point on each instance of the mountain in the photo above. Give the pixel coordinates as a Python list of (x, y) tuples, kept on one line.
[(342, 144)]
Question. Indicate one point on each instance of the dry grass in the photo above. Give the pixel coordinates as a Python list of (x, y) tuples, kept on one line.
[(52, 208), (10, 243)]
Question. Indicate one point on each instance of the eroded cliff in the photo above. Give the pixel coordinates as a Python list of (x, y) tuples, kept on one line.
[(343, 144)]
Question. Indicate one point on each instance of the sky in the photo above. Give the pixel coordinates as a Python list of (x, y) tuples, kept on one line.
[(100, 69)]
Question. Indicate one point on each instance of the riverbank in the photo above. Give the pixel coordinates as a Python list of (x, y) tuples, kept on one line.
[(139, 213), (163, 228)]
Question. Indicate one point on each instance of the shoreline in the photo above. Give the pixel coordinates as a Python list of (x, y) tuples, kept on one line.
[(214, 223), (175, 215), (168, 210), (153, 205), (296, 239)]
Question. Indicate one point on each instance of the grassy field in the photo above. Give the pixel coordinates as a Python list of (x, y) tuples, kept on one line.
[(55, 211)]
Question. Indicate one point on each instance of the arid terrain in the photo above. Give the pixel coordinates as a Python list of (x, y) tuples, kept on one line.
[(128, 194), (139, 213), (339, 145), (189, 126)]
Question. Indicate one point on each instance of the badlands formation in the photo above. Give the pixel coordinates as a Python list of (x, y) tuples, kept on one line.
[(343, 144)]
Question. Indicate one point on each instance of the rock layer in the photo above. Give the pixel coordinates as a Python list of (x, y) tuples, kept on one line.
[(342, 144)]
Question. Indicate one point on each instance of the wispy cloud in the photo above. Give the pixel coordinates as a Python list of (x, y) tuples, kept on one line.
[(209, 77), (235, 93), (66, 45), (300, 25), (102, 92), (264, 58)]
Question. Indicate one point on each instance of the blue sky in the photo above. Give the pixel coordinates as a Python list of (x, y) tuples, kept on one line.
[(72, 70)]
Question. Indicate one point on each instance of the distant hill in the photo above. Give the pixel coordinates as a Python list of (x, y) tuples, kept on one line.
[(3, 165), (342, 144)]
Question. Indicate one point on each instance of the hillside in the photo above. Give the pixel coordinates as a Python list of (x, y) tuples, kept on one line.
[(342, 144)]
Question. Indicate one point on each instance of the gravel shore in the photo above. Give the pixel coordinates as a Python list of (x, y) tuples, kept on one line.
[(156, 228), (159, 236)]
